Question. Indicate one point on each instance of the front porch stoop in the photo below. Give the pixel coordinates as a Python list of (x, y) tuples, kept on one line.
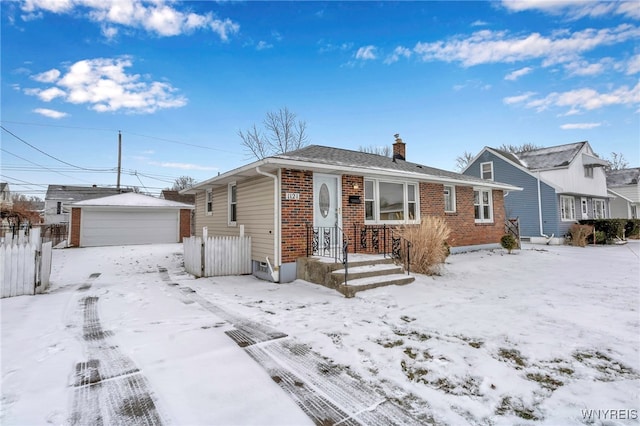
[(363, 273)]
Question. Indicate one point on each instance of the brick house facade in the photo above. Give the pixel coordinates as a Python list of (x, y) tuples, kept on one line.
[(278, 201)]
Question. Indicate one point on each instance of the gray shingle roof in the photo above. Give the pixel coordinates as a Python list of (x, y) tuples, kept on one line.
[(549, 158), (357, 159), (623, 177), (79, 193)]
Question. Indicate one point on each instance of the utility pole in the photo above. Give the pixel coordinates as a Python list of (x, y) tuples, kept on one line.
[(119, 157)]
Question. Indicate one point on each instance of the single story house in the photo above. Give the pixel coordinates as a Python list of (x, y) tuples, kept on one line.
[(561, 185), (58, 198), (624, 188), (127, 219), (290, 203)]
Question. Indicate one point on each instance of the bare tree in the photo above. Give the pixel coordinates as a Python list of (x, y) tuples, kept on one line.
[(385, 151), (617, 161), (525, 147), (282, 133), (183, 182), (463, 160)]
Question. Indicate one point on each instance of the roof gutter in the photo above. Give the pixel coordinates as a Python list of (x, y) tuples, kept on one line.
[(275, 273)]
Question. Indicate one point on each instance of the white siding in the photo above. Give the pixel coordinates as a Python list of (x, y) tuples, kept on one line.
[(572, 179), (255, 212)]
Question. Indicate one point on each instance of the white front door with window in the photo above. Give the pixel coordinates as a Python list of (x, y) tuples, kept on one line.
[(326, 209)]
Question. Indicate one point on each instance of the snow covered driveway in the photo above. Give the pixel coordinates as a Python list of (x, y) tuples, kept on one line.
[(549, 335)]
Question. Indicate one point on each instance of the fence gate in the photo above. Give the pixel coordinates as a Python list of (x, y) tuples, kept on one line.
[(216, 256), (25, 264)]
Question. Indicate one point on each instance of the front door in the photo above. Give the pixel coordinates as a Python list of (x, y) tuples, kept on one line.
[(326, 212)]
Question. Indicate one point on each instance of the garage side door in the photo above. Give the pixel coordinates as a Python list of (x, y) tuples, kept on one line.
[(125, 227)]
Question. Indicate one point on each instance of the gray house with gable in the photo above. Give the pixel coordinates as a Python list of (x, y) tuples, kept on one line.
[(561, 185)]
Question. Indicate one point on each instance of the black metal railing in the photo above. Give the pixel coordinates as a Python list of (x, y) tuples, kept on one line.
[(326, 242), (384, 240)]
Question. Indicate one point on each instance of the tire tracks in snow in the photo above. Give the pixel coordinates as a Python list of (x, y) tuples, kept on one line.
[(328, 393), (108, 388)]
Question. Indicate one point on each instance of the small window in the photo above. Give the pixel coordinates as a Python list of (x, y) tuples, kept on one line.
[(450, 199), (411, 201), (567, 208), (598, 209), (588, 172), (59, 207), (233, 204), (209, 202), (483, 206), (369, 200), (486, 171)]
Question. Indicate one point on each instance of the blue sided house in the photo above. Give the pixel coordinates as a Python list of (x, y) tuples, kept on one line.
[(561, 185)]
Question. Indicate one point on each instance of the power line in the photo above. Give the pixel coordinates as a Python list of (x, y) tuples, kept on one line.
[(42, 152), (39, 165), (123, 131)]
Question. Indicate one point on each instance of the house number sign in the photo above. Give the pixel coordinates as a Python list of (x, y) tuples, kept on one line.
[(292, 195)]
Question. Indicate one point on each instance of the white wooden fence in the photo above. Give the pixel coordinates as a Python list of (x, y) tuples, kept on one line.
[(216, 256), (25, 264)]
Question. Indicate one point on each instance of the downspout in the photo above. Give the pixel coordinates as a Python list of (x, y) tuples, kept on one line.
[(275, 274), (540, 212)]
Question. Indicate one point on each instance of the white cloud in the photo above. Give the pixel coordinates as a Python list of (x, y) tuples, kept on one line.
[(584, 68), (366, 53), (580, 100), (262, 45), (576, 9), (513, 76), (580, 126), (159, 17), (479, 23), (183, 166), (47, 76), (518, 99), (398, 52), (105, 86), (51, 113), (485, 47), (633, 66)]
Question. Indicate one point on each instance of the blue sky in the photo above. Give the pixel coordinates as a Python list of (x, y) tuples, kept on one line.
[(180, 79)]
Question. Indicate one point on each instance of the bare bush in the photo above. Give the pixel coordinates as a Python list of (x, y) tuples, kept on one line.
[(579, 234), (429, 247)]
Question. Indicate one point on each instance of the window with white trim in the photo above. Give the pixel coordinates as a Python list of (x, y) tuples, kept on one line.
[(369, 201), (449, 199), (390, 202), (588, 172), (209, 202), (567, 208), (598, 209), (233, 203), (486, 170), (483, 205)]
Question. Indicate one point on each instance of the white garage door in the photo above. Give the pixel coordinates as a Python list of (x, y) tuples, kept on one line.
[(124, 227)]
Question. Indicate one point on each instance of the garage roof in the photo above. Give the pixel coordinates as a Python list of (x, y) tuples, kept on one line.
[(131, 199)]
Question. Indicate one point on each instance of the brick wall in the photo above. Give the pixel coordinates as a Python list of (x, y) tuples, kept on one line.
[(76, 215), (296, 214), (185, 223), (352, 213)]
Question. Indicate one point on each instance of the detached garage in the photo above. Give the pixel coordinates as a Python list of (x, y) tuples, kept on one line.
[(127, 219)]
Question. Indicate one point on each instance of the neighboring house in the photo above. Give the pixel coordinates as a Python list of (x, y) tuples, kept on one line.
[(171, 195), (59, 196), (126, 219), (5, 197), (624, 188), (284, 200), (561, 185)]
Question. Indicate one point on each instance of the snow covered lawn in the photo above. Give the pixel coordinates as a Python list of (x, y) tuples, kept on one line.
[(547, 335)]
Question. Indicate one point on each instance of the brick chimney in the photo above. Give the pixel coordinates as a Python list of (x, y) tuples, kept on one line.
[(399, 151)]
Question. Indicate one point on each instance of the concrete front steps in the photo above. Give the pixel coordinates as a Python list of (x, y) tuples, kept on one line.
[(363, 273)]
